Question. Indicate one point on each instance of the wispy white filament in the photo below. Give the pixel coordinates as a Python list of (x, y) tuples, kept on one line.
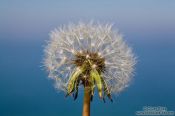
[(66, 41)]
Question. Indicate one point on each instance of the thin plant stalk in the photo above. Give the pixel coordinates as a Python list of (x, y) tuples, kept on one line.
[(86, 102)]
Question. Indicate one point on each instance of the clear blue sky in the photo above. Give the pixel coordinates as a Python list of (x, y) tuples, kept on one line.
[(20, 17), (147, 25)]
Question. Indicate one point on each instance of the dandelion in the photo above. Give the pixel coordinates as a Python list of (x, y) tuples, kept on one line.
[(92, 55)]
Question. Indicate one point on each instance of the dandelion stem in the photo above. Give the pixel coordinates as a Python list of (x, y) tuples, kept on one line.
[(86, 103)]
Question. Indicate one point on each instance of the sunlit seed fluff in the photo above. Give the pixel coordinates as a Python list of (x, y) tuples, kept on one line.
[(92, 40)]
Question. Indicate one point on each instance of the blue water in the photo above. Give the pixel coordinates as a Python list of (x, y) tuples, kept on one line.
[(25, 89)]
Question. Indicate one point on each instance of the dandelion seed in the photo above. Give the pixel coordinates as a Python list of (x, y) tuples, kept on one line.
[(73, 51), (92, 44), (81, 51), (85, 76), (87, 56), (99, 54), (94, 66), (61, 51)]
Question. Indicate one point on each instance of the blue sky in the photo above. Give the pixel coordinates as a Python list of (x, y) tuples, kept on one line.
[(20, 18), (148, 26)]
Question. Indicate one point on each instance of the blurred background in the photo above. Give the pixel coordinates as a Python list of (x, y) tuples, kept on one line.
[(148, 26)]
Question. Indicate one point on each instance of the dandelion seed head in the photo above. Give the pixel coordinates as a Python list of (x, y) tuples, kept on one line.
[(76, 44)]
